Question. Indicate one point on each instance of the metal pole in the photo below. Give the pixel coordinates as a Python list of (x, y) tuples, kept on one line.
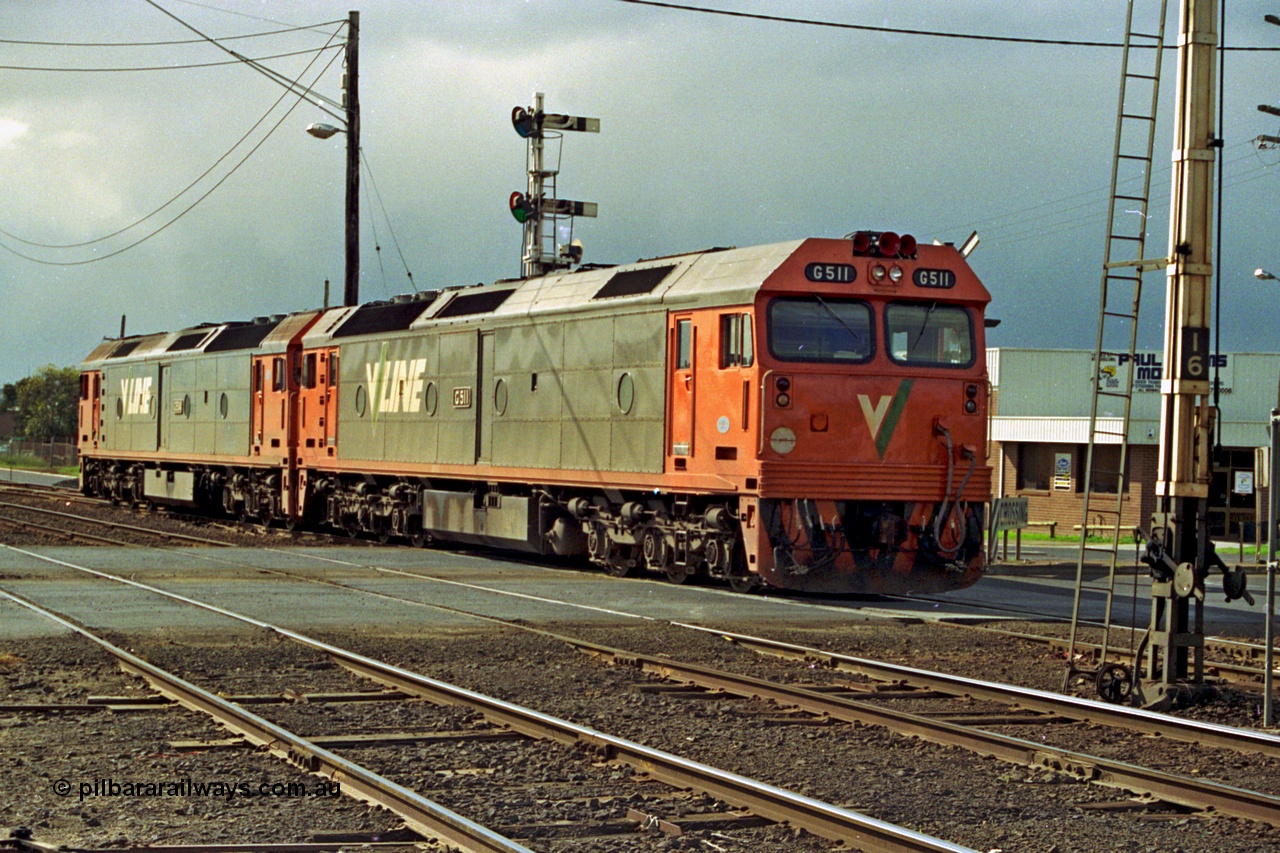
[(351, 288), (1273, 523)]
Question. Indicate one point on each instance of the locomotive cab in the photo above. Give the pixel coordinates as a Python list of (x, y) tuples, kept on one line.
[(871, 441)]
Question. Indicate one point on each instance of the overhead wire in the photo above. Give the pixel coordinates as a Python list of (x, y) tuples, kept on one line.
[(110, 44), (237, 14), (261, 69), (155, 68), (991, 226), (205, 195), (377, 243), (395, 242), (178, 195), (784, 19)]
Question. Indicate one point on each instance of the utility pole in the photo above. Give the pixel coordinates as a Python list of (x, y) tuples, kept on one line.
[(351, 100), (1179, 551)]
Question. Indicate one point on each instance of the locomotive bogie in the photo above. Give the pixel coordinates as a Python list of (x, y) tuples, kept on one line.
[(776, 414)]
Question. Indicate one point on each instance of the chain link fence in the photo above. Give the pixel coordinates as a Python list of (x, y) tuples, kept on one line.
[(58, 454)]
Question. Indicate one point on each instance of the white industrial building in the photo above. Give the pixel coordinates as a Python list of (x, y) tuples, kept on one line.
[(1040, 433)]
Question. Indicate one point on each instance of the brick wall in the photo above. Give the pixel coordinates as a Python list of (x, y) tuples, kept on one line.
[(1066, 506)]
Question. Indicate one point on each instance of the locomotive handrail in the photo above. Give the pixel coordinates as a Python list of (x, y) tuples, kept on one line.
[(764, 381)]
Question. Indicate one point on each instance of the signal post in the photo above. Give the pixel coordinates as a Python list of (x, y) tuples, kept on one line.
[(1179, 551)]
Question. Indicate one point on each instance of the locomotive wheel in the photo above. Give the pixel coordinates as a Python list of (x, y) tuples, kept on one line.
[(384, 535), (621, 563), (747, 583), (1114, 683), (419, 538), (291, 523), (678, 574), (351, 526)]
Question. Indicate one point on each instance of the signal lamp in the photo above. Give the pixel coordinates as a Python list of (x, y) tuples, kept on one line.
[(783, 400), (895, 273), (782, 383), (521, 207), (861, 243), (889, 244), (525, 123), (908, 248), (970, 406), (971, 391), (878, 273)]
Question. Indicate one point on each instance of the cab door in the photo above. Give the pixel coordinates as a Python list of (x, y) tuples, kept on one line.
[(682, 349)]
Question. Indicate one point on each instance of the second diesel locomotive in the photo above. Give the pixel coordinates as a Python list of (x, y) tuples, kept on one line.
[(808, 415)]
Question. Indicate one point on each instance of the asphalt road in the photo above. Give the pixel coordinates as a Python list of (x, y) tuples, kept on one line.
[(39, 478), (494, 584)]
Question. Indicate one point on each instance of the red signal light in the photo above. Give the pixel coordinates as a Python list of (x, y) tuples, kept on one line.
[(908, 248), (861, 243), (889, 244), (521, 207)]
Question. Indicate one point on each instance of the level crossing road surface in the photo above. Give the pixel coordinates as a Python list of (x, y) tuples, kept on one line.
[(37, 478), (494, 584)]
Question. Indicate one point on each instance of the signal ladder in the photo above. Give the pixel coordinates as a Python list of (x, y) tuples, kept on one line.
[(1122, 268)]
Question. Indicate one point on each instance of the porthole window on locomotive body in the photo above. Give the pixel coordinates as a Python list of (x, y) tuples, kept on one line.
[(362, 400), (119, 408), (500, 397), (186, 405), (626, 393), (431, 397), (223, 405)]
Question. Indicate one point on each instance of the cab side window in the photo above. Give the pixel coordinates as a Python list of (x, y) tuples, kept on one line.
[(736, 347), (684, 344)]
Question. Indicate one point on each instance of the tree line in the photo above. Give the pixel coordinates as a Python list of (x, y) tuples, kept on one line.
[(45, 404)]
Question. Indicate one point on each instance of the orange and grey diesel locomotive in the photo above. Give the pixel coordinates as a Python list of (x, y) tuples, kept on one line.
[(809, 415)]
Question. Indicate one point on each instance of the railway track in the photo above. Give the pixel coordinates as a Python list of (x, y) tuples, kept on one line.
[(1030, 708), (848, 702), (766, 801), (1228, 659)]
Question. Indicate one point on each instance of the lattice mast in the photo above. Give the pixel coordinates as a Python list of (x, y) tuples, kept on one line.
[(540, 210)]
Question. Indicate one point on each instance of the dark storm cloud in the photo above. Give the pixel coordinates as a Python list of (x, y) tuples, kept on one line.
[(715, 131)]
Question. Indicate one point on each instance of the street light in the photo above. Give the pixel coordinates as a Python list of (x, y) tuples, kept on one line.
[(1263, 275), (323, 131)]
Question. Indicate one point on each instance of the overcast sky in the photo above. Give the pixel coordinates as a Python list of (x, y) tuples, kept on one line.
[(716, 131)]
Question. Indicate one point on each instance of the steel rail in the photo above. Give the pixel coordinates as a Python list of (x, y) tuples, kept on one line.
[(1236, 673), (1182, 790), (57, 531), (1072, 707), (422, 815), (1196, 793), (768, 801), (199, 540)]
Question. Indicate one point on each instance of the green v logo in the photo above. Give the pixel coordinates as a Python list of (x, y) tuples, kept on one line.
[(882, 418)]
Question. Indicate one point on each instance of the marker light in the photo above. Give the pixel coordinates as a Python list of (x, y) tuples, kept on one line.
[(783, 383), (971, 391), (970, 406), (783, 400)]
